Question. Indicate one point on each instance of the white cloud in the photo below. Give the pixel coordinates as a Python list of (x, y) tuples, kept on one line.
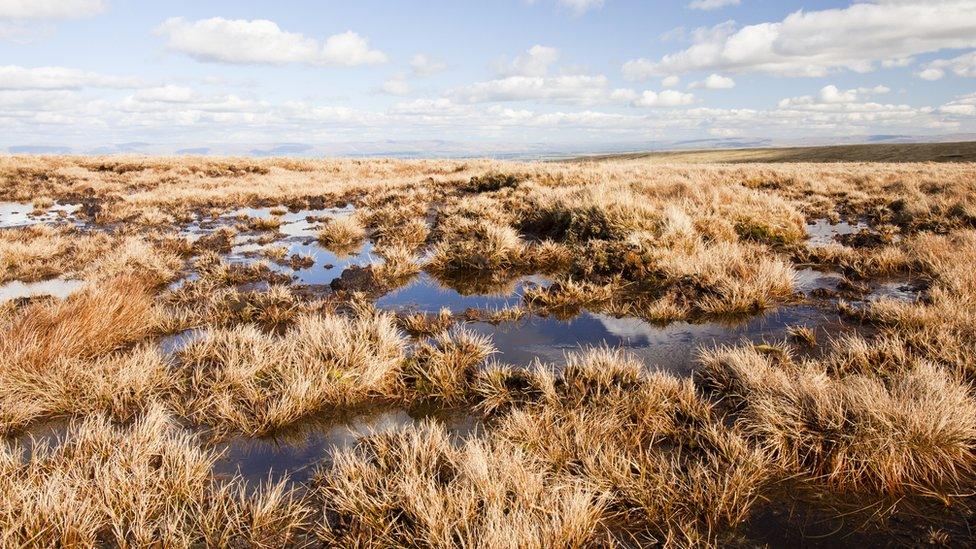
[(898, 62), (831, 94), (534, 62), (23, 10), (714, 82), (623, 95), (349, 49), (963, 65), (640, 69), (424, 65), (712, 4), (13, 77), (581, 6), (964, 105), (931, 73), (725, 132), (670, 81), (262, 42), (397, 85), (166, 94), (571, 88), (814, 43), (665, 98)]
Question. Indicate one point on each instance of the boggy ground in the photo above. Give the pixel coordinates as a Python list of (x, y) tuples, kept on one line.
[(759, 354)]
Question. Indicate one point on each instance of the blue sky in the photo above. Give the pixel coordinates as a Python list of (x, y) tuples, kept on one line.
[(90, 74)]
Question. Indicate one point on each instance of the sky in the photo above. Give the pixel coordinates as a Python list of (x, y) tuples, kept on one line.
[(292, 76)]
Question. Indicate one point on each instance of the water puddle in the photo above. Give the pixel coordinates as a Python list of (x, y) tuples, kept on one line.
[(326, 266), (300, 451), (427, 294), (315, 265), (56, 287), (810, 279), (17, 214), (824, 233), (301, 223), (670, 348), (899, 290)]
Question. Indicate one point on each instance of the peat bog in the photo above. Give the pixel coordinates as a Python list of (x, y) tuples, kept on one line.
[(385, 353)]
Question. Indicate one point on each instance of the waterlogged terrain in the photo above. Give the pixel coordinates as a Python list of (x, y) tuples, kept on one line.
[(372, 352)]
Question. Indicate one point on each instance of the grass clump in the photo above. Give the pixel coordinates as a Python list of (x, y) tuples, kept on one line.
[(53, 355), (443, 367), (342, 234), (480, 245), (242, 379), (142, 485), (911, 432), (399, 488)]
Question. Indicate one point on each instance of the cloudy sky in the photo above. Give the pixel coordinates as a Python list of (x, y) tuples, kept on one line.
[(88, 74)]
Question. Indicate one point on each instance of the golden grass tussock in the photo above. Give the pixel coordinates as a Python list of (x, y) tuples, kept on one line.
[(421, 324), (262, 223), (398, 266), (669, 471), (342, 233), (478, 245), (244, 380), (400, 488), (47, 352), (443, 367), (146, 484), (101, 318), (912, 431), (38, 252)]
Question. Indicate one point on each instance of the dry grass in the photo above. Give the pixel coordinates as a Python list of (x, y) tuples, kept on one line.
[(342, 234), (47, 349), (242, 379), (443, 367), (417, 488), (911, 432), (597, 452), (141, 486)]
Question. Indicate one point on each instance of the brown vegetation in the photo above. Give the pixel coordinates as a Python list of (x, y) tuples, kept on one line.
[(873, 422)]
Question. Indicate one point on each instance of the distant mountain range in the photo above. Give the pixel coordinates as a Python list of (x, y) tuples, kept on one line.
[(457, 149)]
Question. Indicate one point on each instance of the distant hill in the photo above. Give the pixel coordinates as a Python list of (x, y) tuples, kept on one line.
[(963, 151)]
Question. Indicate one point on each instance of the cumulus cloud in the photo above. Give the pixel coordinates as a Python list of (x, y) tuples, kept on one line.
[(708, 5), (640, 69), (577, 88), (814, 43), (964, 105), (24, 10), (831, 94), (187, 116), (424, 65), (261, 41), (13, 77), (535, 61), (714, 82), (665, 98), (670, 81), (166, 94), (963, 65), (397, 85)]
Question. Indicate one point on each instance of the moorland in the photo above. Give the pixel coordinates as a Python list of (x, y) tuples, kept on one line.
[(617, 352)]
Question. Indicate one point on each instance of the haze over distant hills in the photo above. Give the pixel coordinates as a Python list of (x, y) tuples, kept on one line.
[(455, 149)]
